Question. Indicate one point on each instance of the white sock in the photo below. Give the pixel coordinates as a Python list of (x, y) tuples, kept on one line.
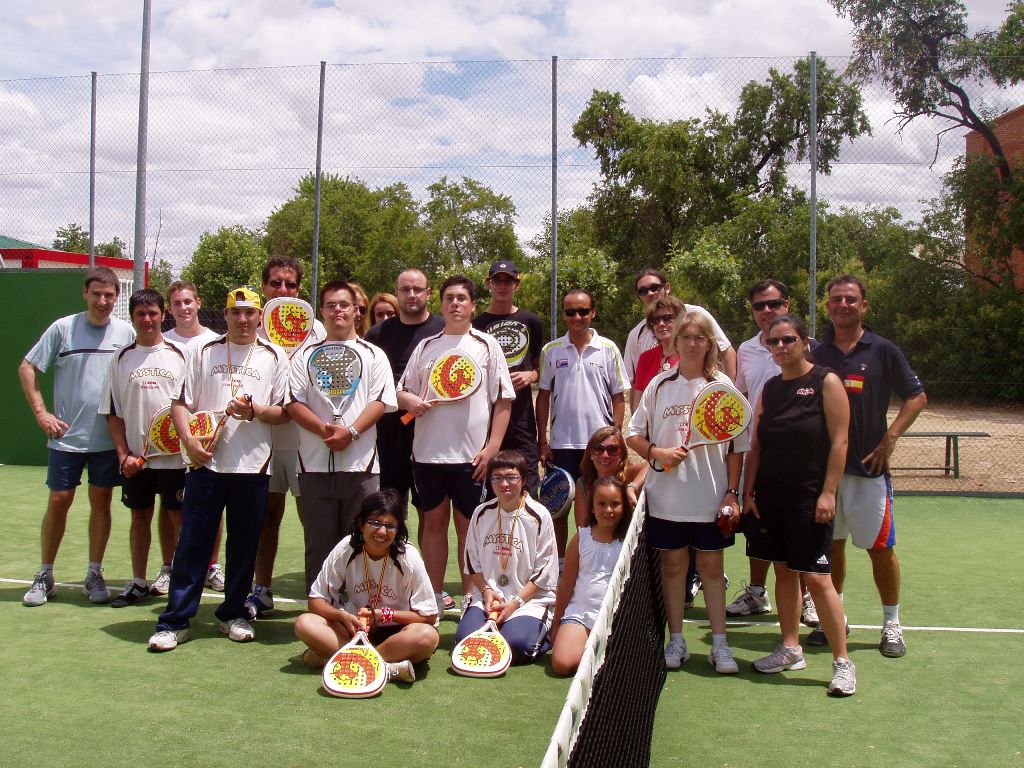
[(717, 641), (48, 567), (891, 613), (757, 590), (95, 566), (141, 582), (675, 637)]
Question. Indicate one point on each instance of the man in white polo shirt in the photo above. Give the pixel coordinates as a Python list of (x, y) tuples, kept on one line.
[(338, 464), (243, 378), (582, 388)]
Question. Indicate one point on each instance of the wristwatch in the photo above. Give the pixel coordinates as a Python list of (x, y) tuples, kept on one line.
[(354, 432), (734, 491)]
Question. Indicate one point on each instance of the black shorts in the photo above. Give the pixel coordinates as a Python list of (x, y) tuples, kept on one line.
[(140, 491), (436, 482), (669, 534), (394, 449), (786, 533)]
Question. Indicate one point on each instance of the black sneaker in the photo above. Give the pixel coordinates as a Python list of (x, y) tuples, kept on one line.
[(132, 594), (817, 635)]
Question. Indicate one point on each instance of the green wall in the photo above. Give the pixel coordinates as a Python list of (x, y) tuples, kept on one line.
[(33, 299)]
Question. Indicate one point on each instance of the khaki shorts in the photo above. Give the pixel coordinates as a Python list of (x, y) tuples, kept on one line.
[(864, 511), (285, 475)]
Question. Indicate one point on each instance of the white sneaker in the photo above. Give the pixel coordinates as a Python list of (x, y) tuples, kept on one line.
[(781, 659), (42, 589), (239, 630), (844, 678), (215, 578), (95, 587), (676, 654), (162, 583), (809, 614), (721, 659), (401, 672), (748, 603), (168, 639), (891, 643)]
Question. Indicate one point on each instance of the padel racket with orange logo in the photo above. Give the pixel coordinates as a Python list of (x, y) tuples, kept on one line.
[(162, 437), (287, 322), (485, 653), (357, 670), (719, 413), (453, 376)]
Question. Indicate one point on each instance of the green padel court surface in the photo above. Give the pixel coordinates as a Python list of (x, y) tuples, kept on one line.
[(80, 688)]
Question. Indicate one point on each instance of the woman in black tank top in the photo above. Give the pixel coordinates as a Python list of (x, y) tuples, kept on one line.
[(792, 472)]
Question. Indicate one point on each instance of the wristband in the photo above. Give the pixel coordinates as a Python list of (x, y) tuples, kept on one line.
[(387, 615), (634, 486)]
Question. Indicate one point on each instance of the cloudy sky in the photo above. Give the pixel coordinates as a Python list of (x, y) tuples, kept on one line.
[(415, 90)]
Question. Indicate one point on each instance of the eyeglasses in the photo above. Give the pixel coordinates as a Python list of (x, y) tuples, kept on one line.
[(781, 341), (510, 479), (691, 339), (378, 524), (652, 288), (290, 285), (667, 319), (417, 289), (573, 311), (344, 306), (611, 450), (770, 303)]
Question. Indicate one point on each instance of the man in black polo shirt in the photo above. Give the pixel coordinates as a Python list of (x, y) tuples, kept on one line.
[(872, 368), (519, 333)]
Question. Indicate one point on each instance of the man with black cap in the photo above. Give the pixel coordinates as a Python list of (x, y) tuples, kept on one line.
[(519, 333)]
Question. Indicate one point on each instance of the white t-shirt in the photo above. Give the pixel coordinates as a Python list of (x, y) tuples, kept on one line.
[(188, 343), (286, 436), (208, 385), (526, 541), (348, 580), (142, 381), (454, 433), (375, 384), (581, 386), (597, 562), (642, 338), (754, 366), (693, 491)]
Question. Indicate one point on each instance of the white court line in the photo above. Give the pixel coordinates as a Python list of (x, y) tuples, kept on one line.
[(981, 630)]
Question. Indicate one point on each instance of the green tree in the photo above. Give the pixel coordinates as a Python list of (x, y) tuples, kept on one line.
[(366, 235), (223, 260), (161, 276), (71, 239)]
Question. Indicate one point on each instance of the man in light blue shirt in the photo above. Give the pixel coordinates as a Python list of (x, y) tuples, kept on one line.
[(79, 347)]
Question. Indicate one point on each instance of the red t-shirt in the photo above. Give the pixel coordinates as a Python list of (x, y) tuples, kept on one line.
[(649, 365)]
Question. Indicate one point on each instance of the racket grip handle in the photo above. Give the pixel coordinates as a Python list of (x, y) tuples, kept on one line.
[(407, 417), (725, 520)]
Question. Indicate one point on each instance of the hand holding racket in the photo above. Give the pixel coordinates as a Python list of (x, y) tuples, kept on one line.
[(204, 428), (453, 376), (557, 490), (719, 413), (334, 372), (356, 670), (287, 322), (485, 653)]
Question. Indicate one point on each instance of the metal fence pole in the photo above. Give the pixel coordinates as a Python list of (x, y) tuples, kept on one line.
[(92, 176), (139, 273), (812, 308), (316, 198), (554, 197)]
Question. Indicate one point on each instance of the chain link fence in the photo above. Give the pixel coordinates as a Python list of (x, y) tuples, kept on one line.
[(229, 147)]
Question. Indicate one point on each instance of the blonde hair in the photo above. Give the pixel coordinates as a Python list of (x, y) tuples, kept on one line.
[(703, 326)]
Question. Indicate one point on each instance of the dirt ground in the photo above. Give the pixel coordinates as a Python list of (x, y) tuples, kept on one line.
[(987, 464)]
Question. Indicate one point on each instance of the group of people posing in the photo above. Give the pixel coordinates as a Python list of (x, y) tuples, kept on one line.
[(812, 472)]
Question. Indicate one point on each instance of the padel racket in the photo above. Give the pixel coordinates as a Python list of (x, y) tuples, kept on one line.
[(162, 437), (287, 322), (357, 670), (453, 376), (719, 413), (334, 371), (485, 653), (557, 490), (208, 427)]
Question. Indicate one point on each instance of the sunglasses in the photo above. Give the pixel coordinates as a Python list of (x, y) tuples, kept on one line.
[(291, 286), (378, 524), (572, 312), (652, 288), (667, 319), (781, 341), (771, 303), (611, 450)]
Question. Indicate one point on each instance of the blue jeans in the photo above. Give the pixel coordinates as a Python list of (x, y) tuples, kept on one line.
[(207, 495), (526, 636)]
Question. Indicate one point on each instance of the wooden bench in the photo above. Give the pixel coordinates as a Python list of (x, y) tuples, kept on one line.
[(952, 464)]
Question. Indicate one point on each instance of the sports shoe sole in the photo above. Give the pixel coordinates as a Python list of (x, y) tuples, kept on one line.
[(754, 612)]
